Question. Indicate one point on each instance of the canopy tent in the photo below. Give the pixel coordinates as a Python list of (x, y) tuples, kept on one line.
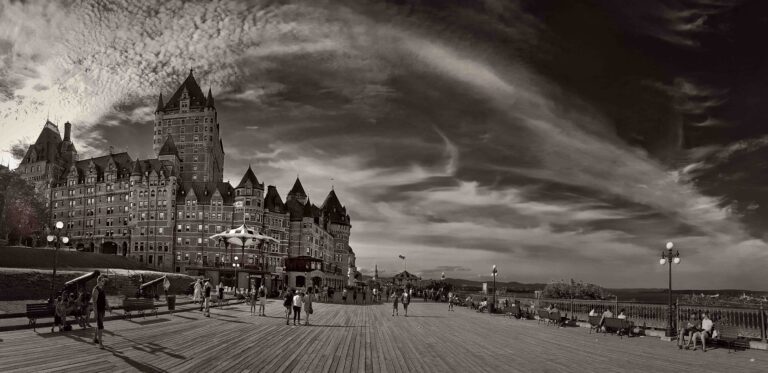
[(242, 236), (404, 276)]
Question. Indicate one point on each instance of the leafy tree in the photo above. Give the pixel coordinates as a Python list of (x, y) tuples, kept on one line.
[(573, 290), (23, 211)]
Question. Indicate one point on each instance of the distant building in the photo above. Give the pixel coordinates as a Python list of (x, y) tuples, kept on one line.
[(161, 211)]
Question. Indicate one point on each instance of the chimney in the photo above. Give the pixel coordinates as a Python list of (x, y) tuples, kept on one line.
[(67, 131)]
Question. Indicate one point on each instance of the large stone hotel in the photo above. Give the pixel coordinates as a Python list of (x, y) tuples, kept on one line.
[(161, 211)]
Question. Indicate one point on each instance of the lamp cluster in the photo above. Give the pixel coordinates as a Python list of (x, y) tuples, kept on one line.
[(668, 256), (51, 238)]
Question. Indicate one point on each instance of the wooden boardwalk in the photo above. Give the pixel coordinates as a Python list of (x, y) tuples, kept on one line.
[(354, 339)]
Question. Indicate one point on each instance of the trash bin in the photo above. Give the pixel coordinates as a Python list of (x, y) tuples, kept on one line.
[(171, 302)]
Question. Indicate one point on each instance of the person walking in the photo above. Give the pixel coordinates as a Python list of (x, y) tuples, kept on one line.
[(262, 294), (450, 301), (375, 295), (406, 301), (354, 296), (297, 300), (344, 295), (207, 298), (308, 305), (287, 300), (198, 292), (364, 295), (395, 300), (99, 296)]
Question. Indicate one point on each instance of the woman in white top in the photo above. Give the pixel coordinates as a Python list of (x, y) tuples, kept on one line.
[(297, 300)]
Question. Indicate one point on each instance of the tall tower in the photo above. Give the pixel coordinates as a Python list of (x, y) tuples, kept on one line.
[(190, 119)]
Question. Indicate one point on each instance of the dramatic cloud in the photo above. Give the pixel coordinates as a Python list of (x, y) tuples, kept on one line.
[(459, 135)]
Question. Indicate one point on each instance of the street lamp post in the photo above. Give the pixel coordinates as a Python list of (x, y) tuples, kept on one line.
[(56, 238), (669, 258), (494, 272)]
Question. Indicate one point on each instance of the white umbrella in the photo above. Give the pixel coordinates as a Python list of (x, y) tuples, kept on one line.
[(242, 236)]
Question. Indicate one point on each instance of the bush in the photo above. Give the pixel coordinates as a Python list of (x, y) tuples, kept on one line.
[(573, 290)]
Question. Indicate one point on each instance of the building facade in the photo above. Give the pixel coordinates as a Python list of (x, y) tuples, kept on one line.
[(161, 211)]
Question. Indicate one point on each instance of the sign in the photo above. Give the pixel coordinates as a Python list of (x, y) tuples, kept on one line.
[(166, 284), (485, 288), (239, 204), (279, 269)]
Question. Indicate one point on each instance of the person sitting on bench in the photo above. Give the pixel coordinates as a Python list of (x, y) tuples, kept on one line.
[(704, 333), (690, 328), (607, 314)]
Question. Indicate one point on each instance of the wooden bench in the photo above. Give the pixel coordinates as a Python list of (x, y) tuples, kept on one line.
[(556, 318), (594, 324), (39, 310), (543, 316), (139, 305), (618, 325), (730, 336)]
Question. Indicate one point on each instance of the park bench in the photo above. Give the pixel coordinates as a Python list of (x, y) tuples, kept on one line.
[(594, 324), (730, 336), (556, 318), (39, 310), (620, 326), (543, 316), (138, 305)]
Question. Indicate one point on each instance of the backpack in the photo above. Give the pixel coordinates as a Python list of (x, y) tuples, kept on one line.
[(261, 292), (287, 300)]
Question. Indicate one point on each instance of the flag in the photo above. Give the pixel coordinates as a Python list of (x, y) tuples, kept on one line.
[(166, 284), (401, 257)]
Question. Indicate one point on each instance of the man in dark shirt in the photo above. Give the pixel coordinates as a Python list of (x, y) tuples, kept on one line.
[(99, 297)]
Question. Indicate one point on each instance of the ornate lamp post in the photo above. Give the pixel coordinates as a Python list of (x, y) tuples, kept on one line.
[(56, 238), (494, 273), (669, 258)]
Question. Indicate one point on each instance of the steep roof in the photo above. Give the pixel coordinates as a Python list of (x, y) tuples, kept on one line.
[(169, 147), (122, 162), (204, 192), (297, 188), (333, 211), (273, 202), (307, 212), (160, 103), (196, 96), (209, 100), (250, 176), (47, 146)]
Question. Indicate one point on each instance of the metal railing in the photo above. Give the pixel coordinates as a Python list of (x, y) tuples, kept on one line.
[(749, 322)]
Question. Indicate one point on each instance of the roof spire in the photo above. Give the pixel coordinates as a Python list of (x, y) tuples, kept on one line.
[(209, 100), (160, 104)]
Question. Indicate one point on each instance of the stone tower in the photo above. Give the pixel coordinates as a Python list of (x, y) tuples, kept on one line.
[(190, 119)]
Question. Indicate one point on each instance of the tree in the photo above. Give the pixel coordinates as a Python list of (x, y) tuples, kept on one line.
[(23, 211), (573, 290)]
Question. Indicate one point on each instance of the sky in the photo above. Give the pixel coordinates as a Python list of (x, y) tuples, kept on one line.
[(554, 139)]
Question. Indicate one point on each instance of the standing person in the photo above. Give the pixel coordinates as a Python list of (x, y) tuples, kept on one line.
[(344, 295), (99, 296), (406, 301), (364, 295), (252, 299), (297, 300), (387, 293), (375, 295), (395, 300), (354, 296), (207, 298), (221, 294), (60, 313), (287, 300), (197, 293), (308, 305), (262, 300), (331, 292), (451, 301)]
